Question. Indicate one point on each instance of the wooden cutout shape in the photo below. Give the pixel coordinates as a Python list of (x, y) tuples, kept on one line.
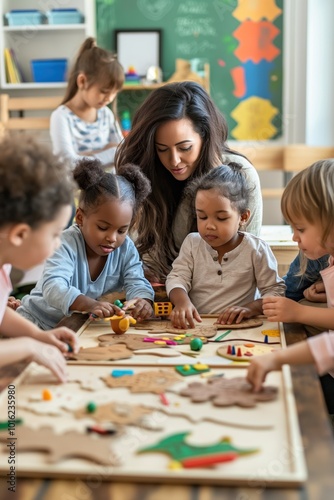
[(246, 323), (155, 381), (135, 341), (154, 326), (164, 353), (247, 352), (62, 446), (121, 414), (166, 327), (228, 392), (118, 351), (88, 381)]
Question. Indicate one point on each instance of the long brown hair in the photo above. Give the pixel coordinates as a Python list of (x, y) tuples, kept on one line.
[(98, 65), (173, 101)]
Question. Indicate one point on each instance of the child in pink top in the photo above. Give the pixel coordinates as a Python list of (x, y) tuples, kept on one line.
[(35, 206), (308, 206)]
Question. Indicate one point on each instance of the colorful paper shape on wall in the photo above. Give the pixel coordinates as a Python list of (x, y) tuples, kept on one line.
[(256, 41), (256, 10), (254, 116)]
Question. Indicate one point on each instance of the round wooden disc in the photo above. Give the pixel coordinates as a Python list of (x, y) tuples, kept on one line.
[(255, 350), (246, 323)]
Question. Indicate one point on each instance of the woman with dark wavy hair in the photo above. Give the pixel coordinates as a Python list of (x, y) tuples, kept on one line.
[(178, 134)]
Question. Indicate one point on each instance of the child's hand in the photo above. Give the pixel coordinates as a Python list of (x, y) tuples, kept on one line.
[(13, 303), (281, 309), (46, 355), (60, 337), (105, 310), (259, 367), (140, 309), (235, 314), (316, 292), (182, 316)]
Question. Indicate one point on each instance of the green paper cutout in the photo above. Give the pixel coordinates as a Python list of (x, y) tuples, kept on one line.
[(179, 450)]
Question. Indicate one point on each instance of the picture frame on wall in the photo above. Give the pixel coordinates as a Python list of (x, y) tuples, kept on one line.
[(138, 48)]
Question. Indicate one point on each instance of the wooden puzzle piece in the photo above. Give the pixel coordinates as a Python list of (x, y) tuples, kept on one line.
[(245, 323), (158, 326), (245, 351), (121, 414), (228, 392), (88, 382), (164, 353), (105, 353), (166, 327), (156, 381), (62, 446), (188, 455)]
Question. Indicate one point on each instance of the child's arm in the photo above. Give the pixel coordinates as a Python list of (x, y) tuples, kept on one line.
[(260, 366), (235, 314), (184, 311), (14, 325), (29, 349), (289, 311)]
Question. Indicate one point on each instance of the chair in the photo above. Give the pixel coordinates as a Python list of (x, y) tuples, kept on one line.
[(40, 107), (299, 156), (265, 158), (288, 159)]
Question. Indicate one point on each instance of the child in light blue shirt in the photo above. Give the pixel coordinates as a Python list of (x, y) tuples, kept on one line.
[(96, 255)]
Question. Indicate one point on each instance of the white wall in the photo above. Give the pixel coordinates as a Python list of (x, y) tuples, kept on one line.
[(320, 73)]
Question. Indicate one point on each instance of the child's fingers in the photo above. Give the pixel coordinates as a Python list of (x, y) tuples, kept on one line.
[(197, 316)]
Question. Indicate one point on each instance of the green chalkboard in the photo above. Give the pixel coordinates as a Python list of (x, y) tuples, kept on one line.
[(242, 42)]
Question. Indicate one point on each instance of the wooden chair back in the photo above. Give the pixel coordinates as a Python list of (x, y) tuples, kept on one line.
[(300, 156), (19, 106)]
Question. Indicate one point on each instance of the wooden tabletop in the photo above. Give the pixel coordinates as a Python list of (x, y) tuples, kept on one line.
[(317, 438)]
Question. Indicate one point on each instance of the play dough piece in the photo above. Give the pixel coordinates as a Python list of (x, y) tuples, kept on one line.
[(228, 392), (105, 353), (155, 381), (246, 323), (120, 414), (62, 446)]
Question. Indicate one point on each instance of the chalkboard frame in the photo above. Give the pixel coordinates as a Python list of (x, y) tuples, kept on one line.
[(122, 46)]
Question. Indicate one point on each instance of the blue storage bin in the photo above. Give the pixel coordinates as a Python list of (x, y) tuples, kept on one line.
[(64, 16), (21, 17), (49, 70)]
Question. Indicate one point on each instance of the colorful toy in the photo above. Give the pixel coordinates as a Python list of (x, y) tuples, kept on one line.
[(162, 308), (120, 324)]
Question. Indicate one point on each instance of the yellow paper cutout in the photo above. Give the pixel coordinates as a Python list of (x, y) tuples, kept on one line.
[(254, 117), (256, 10)]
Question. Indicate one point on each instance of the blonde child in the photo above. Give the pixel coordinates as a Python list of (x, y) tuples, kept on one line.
[(308, 206), (96, 255), (84, 125), (35, 205), (220, 269)]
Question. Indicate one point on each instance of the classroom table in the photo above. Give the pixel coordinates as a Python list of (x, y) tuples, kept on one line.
[(317, 436)]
